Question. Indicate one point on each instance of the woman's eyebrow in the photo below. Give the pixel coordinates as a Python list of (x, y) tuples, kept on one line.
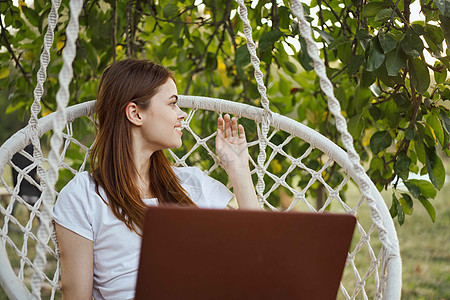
[(174, 96)]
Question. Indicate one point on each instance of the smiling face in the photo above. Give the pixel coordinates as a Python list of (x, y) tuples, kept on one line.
[(161, 120)]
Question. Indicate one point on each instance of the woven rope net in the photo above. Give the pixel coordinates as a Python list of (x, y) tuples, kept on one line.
[(291, 164), (309, 167)]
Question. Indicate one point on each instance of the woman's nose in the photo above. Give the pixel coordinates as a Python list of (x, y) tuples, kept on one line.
[(181, 114)]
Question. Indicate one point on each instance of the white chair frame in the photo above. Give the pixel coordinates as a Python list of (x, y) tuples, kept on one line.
[(16, 289)]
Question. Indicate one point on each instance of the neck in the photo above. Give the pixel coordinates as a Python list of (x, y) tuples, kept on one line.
[(141, 159)]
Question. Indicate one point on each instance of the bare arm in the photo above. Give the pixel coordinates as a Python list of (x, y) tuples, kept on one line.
[(77, 264), (231, 147)]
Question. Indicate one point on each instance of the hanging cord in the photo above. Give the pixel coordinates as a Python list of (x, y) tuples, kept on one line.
[(267, 113), (62, 99), (341, 124), (42, 76), (33, 131)]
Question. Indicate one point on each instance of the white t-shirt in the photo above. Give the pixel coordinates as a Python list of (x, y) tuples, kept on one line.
[(116, 248)]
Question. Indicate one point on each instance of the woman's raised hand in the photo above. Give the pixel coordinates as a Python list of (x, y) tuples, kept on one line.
[(231, 147), (231, 144)]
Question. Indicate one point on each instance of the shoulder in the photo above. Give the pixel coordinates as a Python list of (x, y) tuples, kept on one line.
[(189, 174), (77, 191), (76, 205), (204, 190), (81, 180)]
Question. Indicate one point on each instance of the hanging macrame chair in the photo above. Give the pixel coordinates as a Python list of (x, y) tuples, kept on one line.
[(373, 267)]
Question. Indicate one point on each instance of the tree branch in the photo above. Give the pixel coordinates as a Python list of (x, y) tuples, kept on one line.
[(200, 60), (11, 51)]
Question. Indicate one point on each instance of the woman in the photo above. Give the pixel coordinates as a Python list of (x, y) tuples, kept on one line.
[(99, 215)]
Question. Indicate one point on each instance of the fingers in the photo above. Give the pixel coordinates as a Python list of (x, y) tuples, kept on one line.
[(228, 130), (220, 125), (229, 127), (241, 132)]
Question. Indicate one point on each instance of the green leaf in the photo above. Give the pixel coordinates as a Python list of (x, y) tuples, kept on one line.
[(435, 167), (406, 202), (387, 42), (419, 144), (242, 56), (389, 81), (371, 9), (425, 187), (375, 58), (12, 108), (284, 16), (364, 38), (429, 207), (290, 67), (383, 15), (361, 98), (409, 133), (445, 121), (402, 101), (182, 62), (31, 15), (400, 213), (395, 60), (443, 6), (435, 124), (325, 36), (420, 76), (412, 44), (354, 64), (376, 164), (394, 207), (436, 49), (434, 33), (401, 166), (17, 23), (445, 26), (303, 56), (375, 112), (380, 141), (344, 52), (170, 10), (441, 76), (339, 41), (413, 188), (268, 39), (446, 61), (418, 28), (356, 125)]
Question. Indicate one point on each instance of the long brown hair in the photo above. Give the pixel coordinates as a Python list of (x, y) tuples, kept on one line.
[(111, 157)]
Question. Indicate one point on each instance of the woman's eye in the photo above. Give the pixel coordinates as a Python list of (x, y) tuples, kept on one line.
[(174, 104)]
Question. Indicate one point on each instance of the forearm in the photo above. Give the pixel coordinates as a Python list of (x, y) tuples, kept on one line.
[(244, 189)]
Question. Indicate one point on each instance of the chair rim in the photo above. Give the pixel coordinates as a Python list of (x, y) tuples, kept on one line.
[(21, 139)]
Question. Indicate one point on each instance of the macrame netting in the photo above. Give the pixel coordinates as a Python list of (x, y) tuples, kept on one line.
[(373, 269)]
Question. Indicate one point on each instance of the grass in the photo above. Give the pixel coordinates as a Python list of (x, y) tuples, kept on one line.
[(425, 251)]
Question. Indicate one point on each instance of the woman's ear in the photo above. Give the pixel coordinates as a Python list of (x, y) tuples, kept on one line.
[(132, 113)]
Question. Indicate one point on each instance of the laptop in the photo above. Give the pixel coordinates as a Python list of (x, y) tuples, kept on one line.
[(190, 253)]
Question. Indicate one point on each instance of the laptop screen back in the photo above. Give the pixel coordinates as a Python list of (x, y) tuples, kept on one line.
[(223, 254)]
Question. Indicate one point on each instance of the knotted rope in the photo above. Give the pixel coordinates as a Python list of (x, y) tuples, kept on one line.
[(335, 108), (40, 259), (267, 113), (341, 124), (62, 99)]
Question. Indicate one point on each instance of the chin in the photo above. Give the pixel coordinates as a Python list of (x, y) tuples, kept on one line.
[(177, 145)]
